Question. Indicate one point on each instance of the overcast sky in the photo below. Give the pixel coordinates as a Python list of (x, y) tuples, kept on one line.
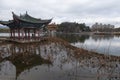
[(82, 11)]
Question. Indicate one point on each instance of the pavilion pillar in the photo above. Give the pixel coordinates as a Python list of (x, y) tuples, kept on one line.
[(34, 33), (13, 33), (18, 33), (29, 34), (39, 34), (25, 34), (10, 33)]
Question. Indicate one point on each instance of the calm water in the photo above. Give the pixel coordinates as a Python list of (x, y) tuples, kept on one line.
[(98, 43), (53, 61)]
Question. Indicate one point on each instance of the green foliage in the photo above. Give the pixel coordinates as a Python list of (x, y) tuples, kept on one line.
[(4, 30), (72, 27)]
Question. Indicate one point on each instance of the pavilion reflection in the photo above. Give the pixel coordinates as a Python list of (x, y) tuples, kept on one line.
[(22, 56)]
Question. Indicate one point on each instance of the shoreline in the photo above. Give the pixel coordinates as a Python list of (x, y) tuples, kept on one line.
[(93, 33), (106, 33), (80, 33)]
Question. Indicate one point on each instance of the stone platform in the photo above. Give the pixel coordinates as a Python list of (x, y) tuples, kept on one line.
[(21, 41)]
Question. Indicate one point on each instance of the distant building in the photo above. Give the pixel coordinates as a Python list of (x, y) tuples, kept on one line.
[(52, 29)]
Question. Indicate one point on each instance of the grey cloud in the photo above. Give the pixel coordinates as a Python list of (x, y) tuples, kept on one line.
[(99, 8), (88, 11)]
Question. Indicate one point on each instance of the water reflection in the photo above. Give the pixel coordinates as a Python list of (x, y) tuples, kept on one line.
[(102, 37), (105, 44), (54, 61), (72, 38)]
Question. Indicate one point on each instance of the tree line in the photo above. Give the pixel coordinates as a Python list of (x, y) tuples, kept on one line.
[(4, 30), (72, 27), (99, 27)]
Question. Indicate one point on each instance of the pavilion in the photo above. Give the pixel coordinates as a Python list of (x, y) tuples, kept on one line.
[(26, 27)]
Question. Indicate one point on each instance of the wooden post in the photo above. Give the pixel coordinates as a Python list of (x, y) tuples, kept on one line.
[(29, 34), (39, 34), (34, 33), (10, 33), (13, 33), (25, 34), (18, 33)]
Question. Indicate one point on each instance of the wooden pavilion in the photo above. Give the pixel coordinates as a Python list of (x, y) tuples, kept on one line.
[(26, 27)]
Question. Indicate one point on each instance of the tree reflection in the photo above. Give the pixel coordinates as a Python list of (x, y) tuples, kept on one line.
[(102, 37), (72, 38)]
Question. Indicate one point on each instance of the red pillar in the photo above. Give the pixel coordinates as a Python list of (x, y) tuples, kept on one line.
[(13, 33), (23, 34), (34, 33), (39, 34), (10, 33), (18, 33), (29, 34)]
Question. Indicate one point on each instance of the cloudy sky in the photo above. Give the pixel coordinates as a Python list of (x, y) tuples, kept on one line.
[(82, 11)]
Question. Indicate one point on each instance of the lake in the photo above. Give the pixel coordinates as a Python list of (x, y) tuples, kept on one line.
[(55, 61), (104, 44)]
